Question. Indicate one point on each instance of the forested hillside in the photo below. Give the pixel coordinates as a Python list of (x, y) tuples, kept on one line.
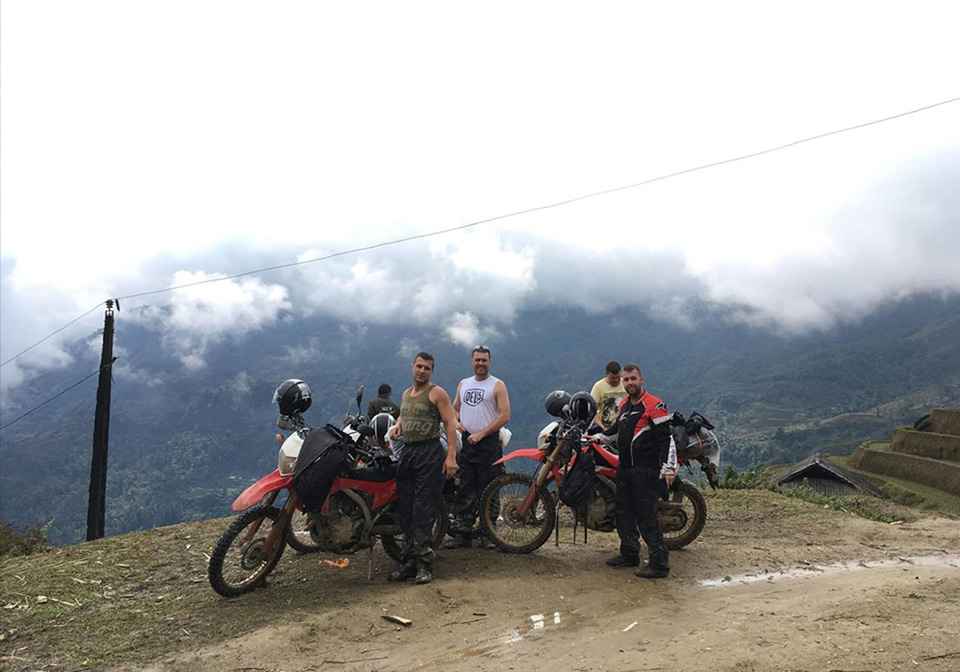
[(183, 443)]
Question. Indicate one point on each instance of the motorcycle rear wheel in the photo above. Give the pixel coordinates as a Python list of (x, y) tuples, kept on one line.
[(393, 547), (501, 523), (695, 510), (298, 533), (238, 566)]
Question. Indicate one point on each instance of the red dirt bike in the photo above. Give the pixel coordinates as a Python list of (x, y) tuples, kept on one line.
[(357, 511), (518, 511)]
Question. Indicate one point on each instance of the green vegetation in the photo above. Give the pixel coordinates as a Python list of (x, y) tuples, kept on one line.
[(861, 505), (732, 480), (27, 540), (904, 492)]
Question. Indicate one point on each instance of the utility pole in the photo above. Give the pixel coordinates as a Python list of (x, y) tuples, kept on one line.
[(101, 432)]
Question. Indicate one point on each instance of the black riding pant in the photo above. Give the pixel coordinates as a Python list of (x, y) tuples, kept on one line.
[(419, 484), (476, 470), (637, 493)]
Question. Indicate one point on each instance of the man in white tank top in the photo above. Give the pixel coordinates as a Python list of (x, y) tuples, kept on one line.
[(483, 407)]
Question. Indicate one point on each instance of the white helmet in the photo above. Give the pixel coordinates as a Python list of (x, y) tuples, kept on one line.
[(381, 423)]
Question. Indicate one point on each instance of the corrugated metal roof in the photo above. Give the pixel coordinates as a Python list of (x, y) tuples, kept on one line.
[(819, 468)]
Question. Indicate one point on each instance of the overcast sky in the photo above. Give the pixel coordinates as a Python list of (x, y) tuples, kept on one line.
[(152, 144)]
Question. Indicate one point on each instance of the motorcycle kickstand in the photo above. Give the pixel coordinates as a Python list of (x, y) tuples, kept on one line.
[(556, 527), (370, 564)]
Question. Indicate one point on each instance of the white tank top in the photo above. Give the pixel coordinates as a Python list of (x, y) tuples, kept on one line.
[(478, 408)]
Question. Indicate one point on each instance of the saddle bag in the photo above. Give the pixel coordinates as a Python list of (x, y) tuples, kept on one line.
[(578, 484), (322, 457)]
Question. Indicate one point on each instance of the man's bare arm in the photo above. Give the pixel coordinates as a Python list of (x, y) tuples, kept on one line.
[(456, 410), (441, 400)]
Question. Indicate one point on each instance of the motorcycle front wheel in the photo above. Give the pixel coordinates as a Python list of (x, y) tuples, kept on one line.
[(501, 521), (683, 516), (393, 547), (238, 563)]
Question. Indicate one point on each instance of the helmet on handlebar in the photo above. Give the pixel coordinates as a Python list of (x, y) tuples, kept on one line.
[(293, 396), (381, 423), (583, 407), (555, 403)]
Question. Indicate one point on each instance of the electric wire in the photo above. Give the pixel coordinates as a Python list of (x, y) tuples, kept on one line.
[(23, 352), (37, 407), (583, 197), (517, 213)]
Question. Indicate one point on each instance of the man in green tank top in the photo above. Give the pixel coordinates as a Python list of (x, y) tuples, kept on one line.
[(422, 468)]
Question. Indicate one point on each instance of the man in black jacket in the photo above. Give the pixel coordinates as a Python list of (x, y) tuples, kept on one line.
[(647, 454), (383, 403)]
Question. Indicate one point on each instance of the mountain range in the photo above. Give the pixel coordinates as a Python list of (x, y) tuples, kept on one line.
[(185, 440)]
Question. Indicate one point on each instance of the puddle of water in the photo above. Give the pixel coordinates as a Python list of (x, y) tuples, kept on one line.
[(518, 634), (835, 568)]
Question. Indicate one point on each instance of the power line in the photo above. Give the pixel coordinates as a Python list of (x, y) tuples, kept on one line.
[(549, 205), (22, 352), (57, 394), (508, 215)]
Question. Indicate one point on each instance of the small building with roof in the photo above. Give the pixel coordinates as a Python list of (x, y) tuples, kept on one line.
[(821, 475)]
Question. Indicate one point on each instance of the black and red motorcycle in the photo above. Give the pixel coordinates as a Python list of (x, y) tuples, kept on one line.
[(519, 510), (358, 507)]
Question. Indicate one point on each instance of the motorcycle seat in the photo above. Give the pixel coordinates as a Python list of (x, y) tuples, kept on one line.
[(379, 471)]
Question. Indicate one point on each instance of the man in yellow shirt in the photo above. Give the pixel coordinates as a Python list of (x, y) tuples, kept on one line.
[(608, 392)]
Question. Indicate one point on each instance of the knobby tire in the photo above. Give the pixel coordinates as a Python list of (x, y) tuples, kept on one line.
[(234, 533), (297, 542), (699, 516), (393, 548), (495, 533)]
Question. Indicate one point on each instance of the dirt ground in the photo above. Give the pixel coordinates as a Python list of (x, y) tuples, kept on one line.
[(895, 605), (773, 583)]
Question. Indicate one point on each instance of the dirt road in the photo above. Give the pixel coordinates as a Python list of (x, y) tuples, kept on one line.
[(785, 587)]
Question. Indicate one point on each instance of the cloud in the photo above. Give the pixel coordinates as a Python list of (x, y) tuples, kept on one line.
[(199, 317), (814, 269), (898, 239), (419, 282), (306, 352), (241, 383), (465, 330), (408, 349)]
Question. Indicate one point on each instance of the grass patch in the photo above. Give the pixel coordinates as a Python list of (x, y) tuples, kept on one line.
[(861, 505), (907, 493), (138, 596)]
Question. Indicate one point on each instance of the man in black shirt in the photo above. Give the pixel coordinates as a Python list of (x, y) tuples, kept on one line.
[(647, 454), (383, 403)]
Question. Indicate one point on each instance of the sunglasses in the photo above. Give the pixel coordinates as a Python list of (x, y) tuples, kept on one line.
[(480, 348)]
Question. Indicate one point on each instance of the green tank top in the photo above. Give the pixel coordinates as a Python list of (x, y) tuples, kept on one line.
[(420, 417)]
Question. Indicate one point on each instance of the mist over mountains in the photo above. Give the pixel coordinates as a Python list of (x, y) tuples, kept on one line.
[(184, 440)]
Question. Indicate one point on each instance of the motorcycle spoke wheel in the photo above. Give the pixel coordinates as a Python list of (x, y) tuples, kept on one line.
[(393, 547), (694, 514), (299, 533), (238, 564), (502, 522)]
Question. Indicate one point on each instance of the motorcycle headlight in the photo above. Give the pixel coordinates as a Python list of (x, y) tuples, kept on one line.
[(286, 464)]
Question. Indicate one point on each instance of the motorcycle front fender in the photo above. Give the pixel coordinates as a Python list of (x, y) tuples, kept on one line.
[(260, 489), (530, 453)]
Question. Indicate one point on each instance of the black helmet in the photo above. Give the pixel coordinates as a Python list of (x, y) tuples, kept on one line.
[(381, 423), (293, 396), (583, 407), (555, 403)]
